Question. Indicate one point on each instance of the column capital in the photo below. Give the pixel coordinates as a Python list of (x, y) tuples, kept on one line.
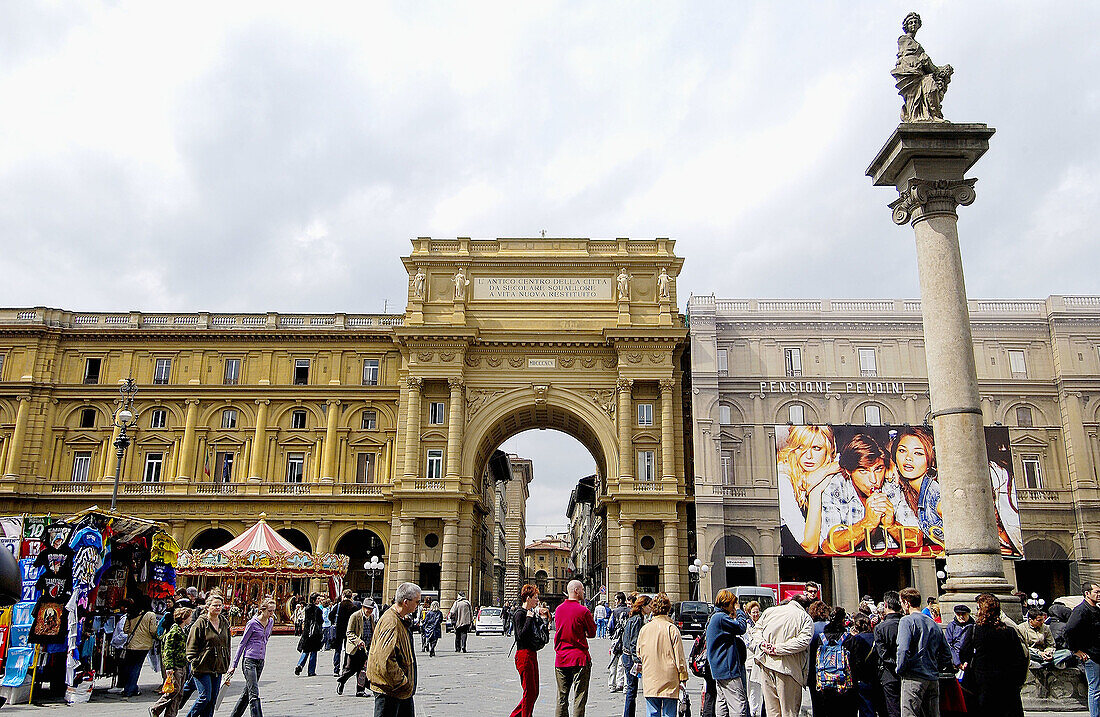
[(192, 401), (456, 382), (667, 385), (626, 522), (332, 402), (324, 524), (925, 198), (624, 384), (414, 382), (21, 399), (263, 402)]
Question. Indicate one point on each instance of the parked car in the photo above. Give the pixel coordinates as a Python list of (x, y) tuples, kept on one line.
[(747, 593), (691, 616), (489, 619)]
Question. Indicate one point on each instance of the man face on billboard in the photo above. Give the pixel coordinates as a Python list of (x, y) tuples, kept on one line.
[(868, 479)]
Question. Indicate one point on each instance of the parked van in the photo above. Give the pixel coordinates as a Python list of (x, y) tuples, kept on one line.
[(748, 593)]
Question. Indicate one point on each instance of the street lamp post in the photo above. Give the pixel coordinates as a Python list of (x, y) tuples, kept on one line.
[(374, 567), (123, 419), (698, 567)]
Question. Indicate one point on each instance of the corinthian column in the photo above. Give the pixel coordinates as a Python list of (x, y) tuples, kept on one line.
[(926, 163), (258, 459), (668, 440), (455, 424), (328, 456), (626, 457), (15, 450), (412, 428), (187, 452)]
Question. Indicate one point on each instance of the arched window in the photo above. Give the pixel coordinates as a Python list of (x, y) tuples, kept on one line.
[(872, 415), (796, 414)]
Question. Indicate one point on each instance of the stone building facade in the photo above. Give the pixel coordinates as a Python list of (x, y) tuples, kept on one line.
[(370, 434), (547, 565), (756, 364)]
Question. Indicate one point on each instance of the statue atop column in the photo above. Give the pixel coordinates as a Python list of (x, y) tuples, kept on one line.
[(920, 83)]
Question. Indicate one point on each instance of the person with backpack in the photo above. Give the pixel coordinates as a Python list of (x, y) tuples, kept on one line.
[(532, 634), (638, 613), (616, 675), (725, 653), (832, 681)]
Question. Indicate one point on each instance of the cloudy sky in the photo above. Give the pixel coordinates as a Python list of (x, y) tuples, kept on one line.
[(279, 156)]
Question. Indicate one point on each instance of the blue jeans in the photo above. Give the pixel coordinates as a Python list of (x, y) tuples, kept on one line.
[(601, 627), (131, 670), (207, 685), (630, 708), (250, 695), (337, 650), (660, 706), (1092, 674), (312, 662)]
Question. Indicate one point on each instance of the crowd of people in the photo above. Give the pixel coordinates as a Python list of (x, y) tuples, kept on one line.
[(892, 658)]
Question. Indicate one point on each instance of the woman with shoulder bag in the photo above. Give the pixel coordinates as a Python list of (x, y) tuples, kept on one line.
[(631, 666), (432, 627), (253, 647), (174, 663), (312, 636), (208, 645), (532, 633), (664, 665), (141, 633)]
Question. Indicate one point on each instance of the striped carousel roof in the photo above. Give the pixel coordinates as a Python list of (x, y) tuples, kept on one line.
[(260, 537)]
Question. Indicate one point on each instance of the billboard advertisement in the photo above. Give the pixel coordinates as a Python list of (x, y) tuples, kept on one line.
[(874, 491)]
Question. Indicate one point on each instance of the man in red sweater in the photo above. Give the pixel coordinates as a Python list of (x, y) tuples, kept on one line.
[(573, 625)]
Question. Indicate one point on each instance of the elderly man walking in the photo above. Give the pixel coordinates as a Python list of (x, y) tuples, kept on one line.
[(462, 615), (359, 631), (391, 662), (782, 643), (573, 624)]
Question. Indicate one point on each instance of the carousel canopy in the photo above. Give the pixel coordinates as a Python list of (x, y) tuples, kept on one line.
[(260, 551)]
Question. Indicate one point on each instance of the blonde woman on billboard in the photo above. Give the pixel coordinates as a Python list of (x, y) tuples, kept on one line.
[(805, 463)]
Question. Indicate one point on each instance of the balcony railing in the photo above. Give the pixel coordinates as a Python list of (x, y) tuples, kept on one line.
[(174, 488), (1042, 495), (362, 488), (730, 491)]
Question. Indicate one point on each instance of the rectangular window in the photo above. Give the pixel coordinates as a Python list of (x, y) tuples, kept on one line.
[(223, 466), (87, 418), (158, 418), (725, 416), (727, 468), (872, 416), (436, 413), (91, 370), (364, 468), (229, 418), (1024, 417), (82, 463), (796, 414), (154, 462), (295, 467), (723, 362), (162, 371), (301, 372), (434, 470), (647, 465), (232, 374), (1018, 364), (2, 356), (370, 372), (868, 365), (792, 361), (298, 420), (1033, 472), (370, 420), (645, 414)]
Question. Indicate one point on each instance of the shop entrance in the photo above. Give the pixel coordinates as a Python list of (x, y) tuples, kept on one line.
[(877, 576)]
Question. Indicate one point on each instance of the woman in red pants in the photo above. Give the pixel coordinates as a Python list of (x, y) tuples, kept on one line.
[(532, 632)]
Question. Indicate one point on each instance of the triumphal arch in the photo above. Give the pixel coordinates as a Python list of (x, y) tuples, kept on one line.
[(578, 335)]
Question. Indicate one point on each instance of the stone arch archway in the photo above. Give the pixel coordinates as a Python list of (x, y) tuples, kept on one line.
[(360, 545), (210, 538)]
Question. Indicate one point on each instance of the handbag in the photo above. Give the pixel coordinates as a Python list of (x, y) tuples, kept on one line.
[(169, 685)]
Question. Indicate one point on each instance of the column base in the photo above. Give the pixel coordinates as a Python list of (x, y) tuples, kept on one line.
[(963, 591)]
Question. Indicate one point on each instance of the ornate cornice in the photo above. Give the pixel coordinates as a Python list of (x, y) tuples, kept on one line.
[(925, 198)]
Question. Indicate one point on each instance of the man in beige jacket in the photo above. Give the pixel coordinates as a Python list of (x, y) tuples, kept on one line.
[(391, 660), (782, 645)]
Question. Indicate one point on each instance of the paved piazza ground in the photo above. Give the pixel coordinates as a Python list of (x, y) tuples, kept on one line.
[(481, 683)]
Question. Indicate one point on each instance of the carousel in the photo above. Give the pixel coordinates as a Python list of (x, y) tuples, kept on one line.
[(258, 563)]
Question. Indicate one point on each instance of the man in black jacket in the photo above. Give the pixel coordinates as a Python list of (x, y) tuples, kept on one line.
[(339, 615), (1082, 635), (886, 647)]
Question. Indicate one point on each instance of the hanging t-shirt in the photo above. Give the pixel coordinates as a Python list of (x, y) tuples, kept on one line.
[(55, 581), (51, 622), (57, 534), (87, 547), (34, 533)]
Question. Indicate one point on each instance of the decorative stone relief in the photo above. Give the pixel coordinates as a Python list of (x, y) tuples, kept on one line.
[(657, 358), (610, 362), (473, 361), (624, 384), (494, 361), (604, 398), (588, 361), (515, 361), (566, 361), (540, 389), (447, 356), (424, 356), (414, 382), (634, 357), (667, 385), (478, 398), (925, 198)]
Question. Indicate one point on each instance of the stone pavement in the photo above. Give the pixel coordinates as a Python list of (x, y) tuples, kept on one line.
[(480, 683)]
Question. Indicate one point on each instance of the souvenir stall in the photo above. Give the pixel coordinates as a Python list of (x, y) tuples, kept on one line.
[(80, 574), (258, 563)]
